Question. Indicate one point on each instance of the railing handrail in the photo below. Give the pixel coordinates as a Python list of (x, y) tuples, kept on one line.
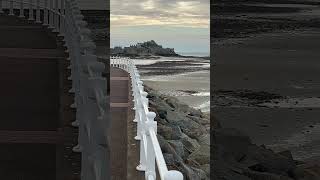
[(150, 151), (88, 85)]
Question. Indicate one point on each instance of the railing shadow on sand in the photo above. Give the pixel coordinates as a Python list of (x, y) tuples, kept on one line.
[(88, 86)]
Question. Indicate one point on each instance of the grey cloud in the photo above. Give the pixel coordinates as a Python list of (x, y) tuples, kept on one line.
[(163, 9)]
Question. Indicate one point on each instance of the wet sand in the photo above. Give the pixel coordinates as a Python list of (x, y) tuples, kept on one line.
[(281, 61), (286, 63)]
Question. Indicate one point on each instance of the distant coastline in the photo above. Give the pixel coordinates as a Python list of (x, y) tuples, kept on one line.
[(151, 50), (145, 49)]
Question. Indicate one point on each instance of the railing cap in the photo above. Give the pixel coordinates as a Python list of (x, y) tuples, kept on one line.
[(173, 175), (151, 115)]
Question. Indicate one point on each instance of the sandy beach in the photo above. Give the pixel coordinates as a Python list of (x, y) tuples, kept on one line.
[(282, 60)]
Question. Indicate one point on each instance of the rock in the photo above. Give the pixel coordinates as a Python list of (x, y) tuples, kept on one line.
[(307, 172), (265, 176), (165, 131), (161, 121), (225, 171), (174, 117), (169, 159), (204, 139), (178, 147), (195, 112), (268, 161), (166, 148), (233, 142), (191, 128), (189, 143), (201, 174), (170, 132), (172, 102), (162, 114), (286, 154), (201, 155), (206, 169), (202, 121), (215, 122), (192, 173)]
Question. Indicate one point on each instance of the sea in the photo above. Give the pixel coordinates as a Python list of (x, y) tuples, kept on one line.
[(191, 85), (196, 54)]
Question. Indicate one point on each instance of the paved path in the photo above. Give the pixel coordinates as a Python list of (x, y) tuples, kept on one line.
[(119, 114), (124, 149), (35, 136)]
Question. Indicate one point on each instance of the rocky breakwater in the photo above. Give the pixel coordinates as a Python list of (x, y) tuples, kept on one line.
[(184, 136), (235, 157)]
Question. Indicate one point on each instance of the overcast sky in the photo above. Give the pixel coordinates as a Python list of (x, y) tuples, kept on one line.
[(183, 25)]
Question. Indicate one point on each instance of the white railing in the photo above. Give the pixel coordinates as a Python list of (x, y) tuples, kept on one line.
[(150, 151), (88, 85)]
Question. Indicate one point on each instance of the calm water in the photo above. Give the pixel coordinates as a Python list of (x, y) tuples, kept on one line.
[(197, 54)]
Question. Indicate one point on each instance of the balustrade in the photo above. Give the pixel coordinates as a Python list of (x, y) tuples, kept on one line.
[(150, 151)]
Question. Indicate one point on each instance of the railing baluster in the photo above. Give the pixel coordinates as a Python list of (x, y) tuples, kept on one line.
[(56, 16), (31, 10), (1, 11), (21, 13), (11, 8), (61, 17), (45, 13), (51, 14), (151, 157), (38, 12)]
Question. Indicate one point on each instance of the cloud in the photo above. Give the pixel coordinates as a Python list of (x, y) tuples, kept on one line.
[(176, 13)]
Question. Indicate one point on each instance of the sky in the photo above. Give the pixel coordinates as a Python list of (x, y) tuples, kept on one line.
[(180, 24)]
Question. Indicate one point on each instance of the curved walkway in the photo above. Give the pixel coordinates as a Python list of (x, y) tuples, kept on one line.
[(124, 148)]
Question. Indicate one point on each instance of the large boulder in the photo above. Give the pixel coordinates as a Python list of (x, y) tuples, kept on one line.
[(167, 148), (178, 147), (232, 141), (266, 160), (215, 122), (190, 144), (174, 117), (223, 170), (206, 169), (307, 171), (169, 159), (201, 155), (192, 173), (204, 139), (265, 176), (170, 132)]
